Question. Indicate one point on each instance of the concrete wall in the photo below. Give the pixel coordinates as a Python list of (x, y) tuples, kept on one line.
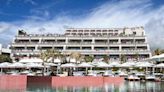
[(21, 82), (85, 81), (16, 82)]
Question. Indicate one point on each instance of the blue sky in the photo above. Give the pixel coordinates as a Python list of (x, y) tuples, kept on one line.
[(12, 10), (54, 16)]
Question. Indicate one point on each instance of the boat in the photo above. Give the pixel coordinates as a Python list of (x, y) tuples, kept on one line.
[(108, 73), (150, 78), (123, 74), (133, 78), (92, 73)]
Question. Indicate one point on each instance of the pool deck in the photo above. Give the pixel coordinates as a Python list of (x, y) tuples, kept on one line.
[(22, 81)]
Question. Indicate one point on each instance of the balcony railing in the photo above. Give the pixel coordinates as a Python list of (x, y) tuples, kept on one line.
[(78, 35), (69, 43), (88, 51)]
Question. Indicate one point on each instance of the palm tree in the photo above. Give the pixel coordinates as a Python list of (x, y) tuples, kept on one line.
[(76, 55), (157, 51), (50, 53), (88, 58), (136, 56), (106, 58), (44, 56), (5, 58), (55, 54), (123, 58)]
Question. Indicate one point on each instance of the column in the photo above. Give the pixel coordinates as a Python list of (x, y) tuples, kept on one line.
[(66, 40), (36, 47), (93, 40), (40, 40)]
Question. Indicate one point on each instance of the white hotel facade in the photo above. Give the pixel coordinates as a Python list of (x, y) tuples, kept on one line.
[(98, 42)]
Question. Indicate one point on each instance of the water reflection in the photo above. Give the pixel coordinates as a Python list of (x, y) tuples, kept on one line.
[(126, 87)]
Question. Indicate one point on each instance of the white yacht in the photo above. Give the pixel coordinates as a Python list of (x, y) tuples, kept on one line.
[(133, 78)]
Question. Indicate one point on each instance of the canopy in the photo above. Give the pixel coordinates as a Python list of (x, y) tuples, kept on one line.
[(144, 64), (68, 65), (160, 65), (5, 64), (57, 60), (17, 65), (31, 60), (128, 64), (73, 60), (161, 56), (157, 57), (114, 64), (102, 64), (96, 60), (34, 65), (50, 64), (154, 57), (84, 64)]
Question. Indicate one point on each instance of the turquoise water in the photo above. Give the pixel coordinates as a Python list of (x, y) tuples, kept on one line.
[(125, 87)]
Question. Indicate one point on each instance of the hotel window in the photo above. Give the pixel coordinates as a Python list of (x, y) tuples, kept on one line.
[(67, 33), (80, 30), (134, 33), (115, 30), (110, 30), (86, 30), (80, 33), (99, 34), (68, 30), (104, 30), (86, 33), (115, 34), (92, 30), (104, 33), (92, 34), (98, 30), (73, 33), (110, 34), (74, 30)]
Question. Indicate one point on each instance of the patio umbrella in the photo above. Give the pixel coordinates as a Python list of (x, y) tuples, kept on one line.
[(31, 60), (72, 60), (17, 65), (50, 64), (102, 64), (68, 65), (145, 65), (84, 64), (115, 64), (34, 65), (157, 57), (160, 65), (128, 64), (4, 65), (154, 57), (57, 60)]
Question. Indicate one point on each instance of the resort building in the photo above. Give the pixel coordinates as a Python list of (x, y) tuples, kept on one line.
[(4, 51), (98, 42)]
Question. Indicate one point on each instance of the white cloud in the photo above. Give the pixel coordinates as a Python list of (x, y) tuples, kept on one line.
[(112, 14), (31, 2)]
